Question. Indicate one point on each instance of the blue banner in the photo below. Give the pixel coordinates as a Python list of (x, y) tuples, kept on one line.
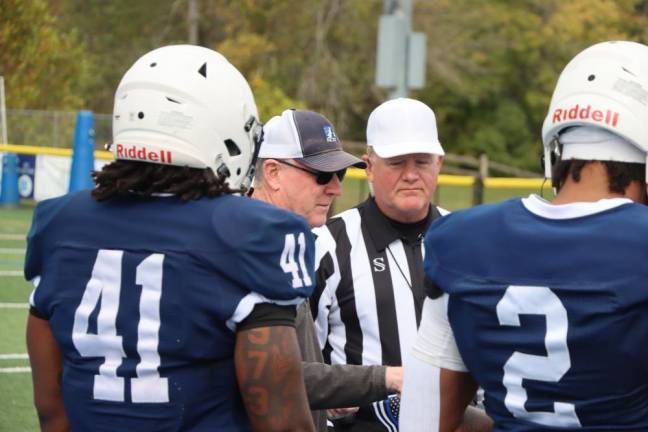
[(26, 168)]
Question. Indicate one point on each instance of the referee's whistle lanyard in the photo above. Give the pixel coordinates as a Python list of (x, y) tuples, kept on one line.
[(409, 284), (416, 249)]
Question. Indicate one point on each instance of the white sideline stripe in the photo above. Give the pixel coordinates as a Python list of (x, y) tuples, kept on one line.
[(15, 370), (12, 251), (18, 356), (13, 236), (14, 305), (11, 273)]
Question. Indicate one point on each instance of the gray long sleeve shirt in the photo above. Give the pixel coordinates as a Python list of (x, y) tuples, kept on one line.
[(333, 386)]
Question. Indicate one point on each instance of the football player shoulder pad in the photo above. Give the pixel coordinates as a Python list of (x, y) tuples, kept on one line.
[(273, 249)]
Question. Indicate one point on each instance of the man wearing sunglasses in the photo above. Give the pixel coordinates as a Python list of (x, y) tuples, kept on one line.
[(300, 168), (301, 164)]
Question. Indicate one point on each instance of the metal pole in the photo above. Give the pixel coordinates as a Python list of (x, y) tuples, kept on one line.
[(193, 17), (390, 6), (406, 7), (3, 111), (404, 11)]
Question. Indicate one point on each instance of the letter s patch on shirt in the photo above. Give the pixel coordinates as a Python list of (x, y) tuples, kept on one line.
[(379, 264)]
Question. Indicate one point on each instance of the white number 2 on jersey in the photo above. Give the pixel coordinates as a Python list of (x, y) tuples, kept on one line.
[(289, 264), (536, 300), (105, 282)]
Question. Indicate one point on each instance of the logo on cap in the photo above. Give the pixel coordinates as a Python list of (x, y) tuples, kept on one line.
[(329, 133)]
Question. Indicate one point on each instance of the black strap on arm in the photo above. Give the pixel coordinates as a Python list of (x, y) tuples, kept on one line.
[(269, 315)]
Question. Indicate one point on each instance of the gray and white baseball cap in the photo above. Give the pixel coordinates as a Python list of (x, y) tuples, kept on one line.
[(307, 137)]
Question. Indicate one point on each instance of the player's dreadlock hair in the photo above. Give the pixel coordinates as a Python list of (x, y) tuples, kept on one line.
[(123, 177), (620, 174)]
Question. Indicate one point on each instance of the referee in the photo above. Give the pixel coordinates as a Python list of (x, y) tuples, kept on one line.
[(369, 295)]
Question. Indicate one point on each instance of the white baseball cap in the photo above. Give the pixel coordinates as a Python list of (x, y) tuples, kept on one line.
[(307, 137), (403, 126)]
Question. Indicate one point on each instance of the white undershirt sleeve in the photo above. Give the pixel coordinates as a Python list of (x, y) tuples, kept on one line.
[(435, 343), (420, 401)]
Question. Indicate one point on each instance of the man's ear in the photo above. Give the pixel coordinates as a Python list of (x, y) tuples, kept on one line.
[(271, 174), (439, 162)]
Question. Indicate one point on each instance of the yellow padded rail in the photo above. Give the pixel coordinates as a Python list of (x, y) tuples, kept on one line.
[(34, 150), (463, 180), (354, 173)]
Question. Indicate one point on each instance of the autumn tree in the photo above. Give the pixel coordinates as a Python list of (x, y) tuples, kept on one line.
[(492, 66), (44, 66)]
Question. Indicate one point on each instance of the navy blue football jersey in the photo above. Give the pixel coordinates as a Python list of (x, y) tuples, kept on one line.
[(549, 309), (143, 296)]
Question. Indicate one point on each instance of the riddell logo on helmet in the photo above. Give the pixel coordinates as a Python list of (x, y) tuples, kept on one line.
[(142, 153), (608, 117)]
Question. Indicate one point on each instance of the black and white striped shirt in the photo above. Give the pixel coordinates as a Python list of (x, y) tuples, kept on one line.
[(369, 294)]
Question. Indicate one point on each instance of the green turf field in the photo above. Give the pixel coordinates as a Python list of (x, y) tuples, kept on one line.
[(15, 379)]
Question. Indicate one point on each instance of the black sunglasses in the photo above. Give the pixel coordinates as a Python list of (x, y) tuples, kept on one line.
[(322, 178)]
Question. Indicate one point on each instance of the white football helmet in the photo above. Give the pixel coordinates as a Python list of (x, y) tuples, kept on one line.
[(605, 86), (187, 105)]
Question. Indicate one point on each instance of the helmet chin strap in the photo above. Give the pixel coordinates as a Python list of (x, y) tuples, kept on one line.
[(550, 157), (255, 129), (646, 180)]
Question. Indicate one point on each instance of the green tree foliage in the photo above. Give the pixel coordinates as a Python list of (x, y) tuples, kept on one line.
[(492, 64), (115, 33), (320, 53), (43, 65), (244, 50)]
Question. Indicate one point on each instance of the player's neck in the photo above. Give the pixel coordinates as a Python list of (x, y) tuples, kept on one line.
[(261, 194), (593, 186)]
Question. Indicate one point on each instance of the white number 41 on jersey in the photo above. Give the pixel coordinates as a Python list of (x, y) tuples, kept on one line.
[(289, 263), (105, 283)]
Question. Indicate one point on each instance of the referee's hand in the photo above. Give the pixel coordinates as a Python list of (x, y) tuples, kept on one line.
[(394, 379), (338, 413)]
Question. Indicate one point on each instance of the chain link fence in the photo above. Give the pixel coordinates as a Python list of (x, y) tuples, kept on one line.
[(56, 129), (52, 128)]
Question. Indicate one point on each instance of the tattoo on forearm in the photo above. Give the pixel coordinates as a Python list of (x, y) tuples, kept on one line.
[(261, 359), (269, 375)]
